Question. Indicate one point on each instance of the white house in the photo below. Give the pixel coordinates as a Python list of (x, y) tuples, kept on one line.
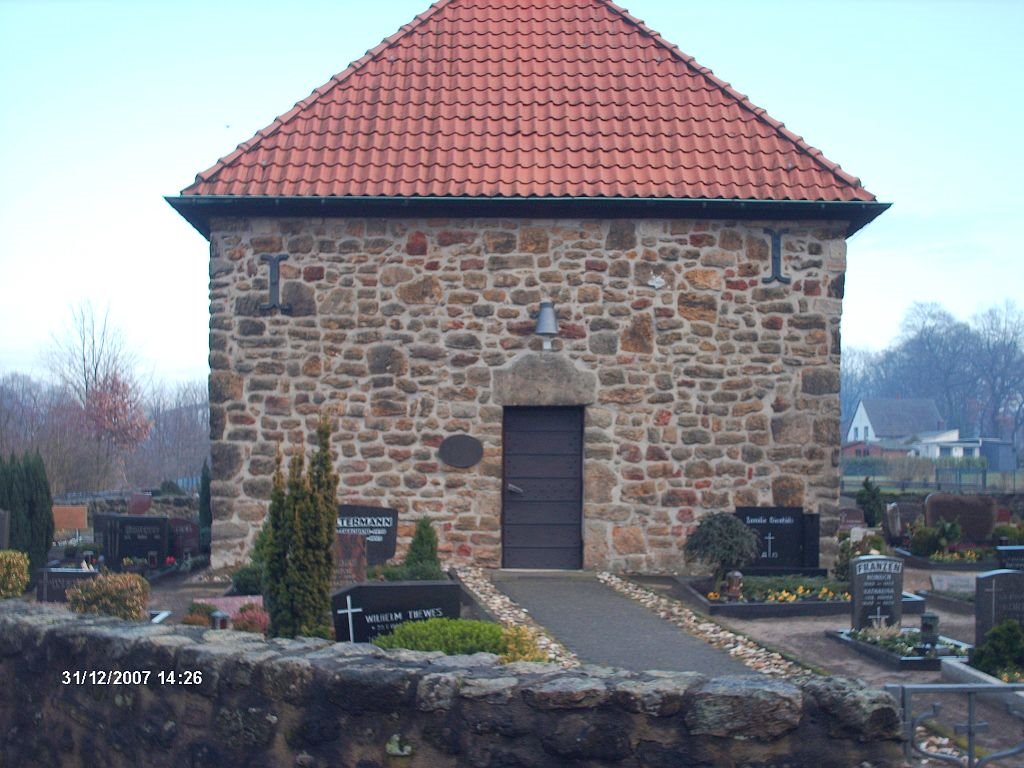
[(879, 419)]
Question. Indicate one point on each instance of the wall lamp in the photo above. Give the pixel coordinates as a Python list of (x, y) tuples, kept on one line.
[(547, 323)]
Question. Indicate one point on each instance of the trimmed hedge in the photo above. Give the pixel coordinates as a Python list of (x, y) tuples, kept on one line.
[(124, 595)]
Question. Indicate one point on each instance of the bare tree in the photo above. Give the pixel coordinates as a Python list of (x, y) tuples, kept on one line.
[(179, 441), (999, 366), (91, 363)]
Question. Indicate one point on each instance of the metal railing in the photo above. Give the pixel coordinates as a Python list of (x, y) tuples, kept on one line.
[(904, 694)]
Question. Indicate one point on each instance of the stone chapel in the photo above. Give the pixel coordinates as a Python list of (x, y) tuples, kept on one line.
[(382, 252)]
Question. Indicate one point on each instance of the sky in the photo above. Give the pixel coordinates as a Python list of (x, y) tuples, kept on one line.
[(108, 106)]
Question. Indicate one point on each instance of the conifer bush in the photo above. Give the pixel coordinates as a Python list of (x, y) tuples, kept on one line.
[(300, 528), (421, 561), (124, 595), (464, 636), (13, 573), (723, 541)]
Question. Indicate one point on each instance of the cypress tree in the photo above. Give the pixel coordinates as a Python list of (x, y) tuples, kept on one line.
[(39, 511), (20, 529), (205, 510), (298, 563)]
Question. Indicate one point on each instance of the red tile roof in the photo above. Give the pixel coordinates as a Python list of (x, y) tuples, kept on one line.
[(528, 99)]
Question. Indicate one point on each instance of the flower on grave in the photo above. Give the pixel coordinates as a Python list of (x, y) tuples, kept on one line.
[(714, 596), (170, 560)]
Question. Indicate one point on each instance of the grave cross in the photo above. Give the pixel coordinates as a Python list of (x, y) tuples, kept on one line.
[(876, 619), (348, 611), (769, 538)]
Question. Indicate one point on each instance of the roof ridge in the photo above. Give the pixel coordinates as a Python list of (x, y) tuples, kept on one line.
[(744, 101), (281, 120)]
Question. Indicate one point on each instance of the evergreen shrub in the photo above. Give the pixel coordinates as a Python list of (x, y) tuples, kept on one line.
[(1002, 652), (723, 541), (465, 636), (13, 573), (248, 580), (124, 595), (421, 561)]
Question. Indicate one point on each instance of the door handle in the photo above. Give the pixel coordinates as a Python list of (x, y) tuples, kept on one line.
[(514, 488)]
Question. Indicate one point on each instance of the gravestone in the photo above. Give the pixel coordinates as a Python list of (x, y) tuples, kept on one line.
[(1011, 557), (789, 541), (897, 519), (976, 514), (378, 525), (184, 538), (5, 529), (876, 584), (998, 596), (953, 582), (53, 583), (136, 536), (348, 560), (365, 611)]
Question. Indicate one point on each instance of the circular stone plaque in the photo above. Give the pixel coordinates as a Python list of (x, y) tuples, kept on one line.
[(460, 451)]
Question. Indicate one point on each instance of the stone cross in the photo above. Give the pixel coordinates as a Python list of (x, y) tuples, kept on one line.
[(769, 539), (348, 611)]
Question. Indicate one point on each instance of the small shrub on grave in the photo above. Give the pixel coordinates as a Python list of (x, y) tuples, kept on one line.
[(203, 609), (450, 636), (723, 541), (1014, 534), (13, 573), (124, 595), (949, 533), (196, 619), (1002, 653), (869, 498), (849, 549), (248, 580), (521, 645), (421, 562), (924, 541), (251, 618)]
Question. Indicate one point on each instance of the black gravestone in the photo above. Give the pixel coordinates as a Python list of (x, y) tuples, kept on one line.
[(184, 538), (53, 583), (5, 529), (378, 525), (365, 611), (139, 537), (998, 596), (1011, 558), (876, 583), (789, 541), (460, 451)]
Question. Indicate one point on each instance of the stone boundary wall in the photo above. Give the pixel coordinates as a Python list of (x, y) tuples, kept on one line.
[(312, 704), (715, 386)]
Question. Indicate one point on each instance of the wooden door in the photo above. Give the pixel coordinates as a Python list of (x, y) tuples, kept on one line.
[(542, 497)]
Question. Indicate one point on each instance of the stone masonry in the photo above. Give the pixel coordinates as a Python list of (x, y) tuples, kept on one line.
[(711, 388)]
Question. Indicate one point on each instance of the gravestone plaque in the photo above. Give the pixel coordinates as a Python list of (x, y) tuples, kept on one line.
[(1011, 557), (53, 583), (365, 611), (5, 529), (877, 589), (378, 525), (789, 540), (348, 560), (953, 582), (460, 451), (998, 596), (184, 538)]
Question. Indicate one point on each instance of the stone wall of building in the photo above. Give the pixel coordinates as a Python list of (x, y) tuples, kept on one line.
[(714, 388), (88, 691)]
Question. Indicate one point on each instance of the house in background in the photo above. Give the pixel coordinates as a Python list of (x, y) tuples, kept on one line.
[(893, 419), (381, 255)]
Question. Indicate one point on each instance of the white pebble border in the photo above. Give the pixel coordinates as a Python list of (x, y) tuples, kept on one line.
[(741, 648), (511, 615)]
